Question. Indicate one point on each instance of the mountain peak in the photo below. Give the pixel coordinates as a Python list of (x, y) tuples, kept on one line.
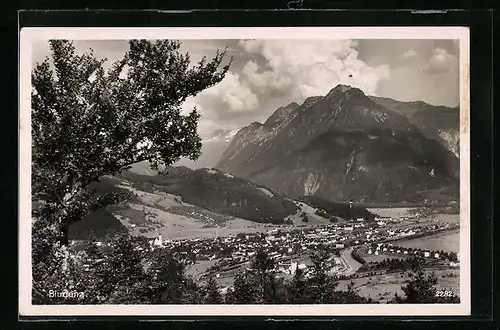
[(345, 89), (342, 88)]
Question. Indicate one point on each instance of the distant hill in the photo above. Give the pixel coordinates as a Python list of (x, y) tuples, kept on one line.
[(200, 194), (218, 192), (342, 210), (102, 222), (344, 147)]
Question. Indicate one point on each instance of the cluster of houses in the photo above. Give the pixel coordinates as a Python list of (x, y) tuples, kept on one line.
[(285, 244), (290, 267), (282, 245), (379, 248)]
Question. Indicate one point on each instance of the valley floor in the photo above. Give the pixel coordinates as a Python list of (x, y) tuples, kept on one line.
[(174, 220)]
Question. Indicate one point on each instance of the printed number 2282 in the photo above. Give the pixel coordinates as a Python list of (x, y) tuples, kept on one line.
[(443, 293)]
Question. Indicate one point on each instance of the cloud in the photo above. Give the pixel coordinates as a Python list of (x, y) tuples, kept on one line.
[(302, 68), (233, 93), (230, 98), (39, 51), (206, 125), (440, 62), (409, 54), (265, 75), (189, 105), (230, 95)]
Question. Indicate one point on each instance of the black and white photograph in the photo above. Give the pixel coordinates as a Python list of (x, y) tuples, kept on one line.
[(244, 171)]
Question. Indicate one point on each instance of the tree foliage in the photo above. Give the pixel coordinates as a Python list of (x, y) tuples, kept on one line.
[(212, 294), (297, 289), (245, 290), (168, 283), (47, 260), (420, 288), (262, 264), (322, 285), (88, 122), (122, 272)]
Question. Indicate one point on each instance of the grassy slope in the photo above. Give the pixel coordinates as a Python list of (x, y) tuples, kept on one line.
[(207, 197)]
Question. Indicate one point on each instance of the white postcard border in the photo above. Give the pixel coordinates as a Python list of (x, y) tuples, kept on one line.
[(29, 35)]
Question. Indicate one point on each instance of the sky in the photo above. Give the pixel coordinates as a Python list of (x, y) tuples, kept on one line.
[(267, 74)]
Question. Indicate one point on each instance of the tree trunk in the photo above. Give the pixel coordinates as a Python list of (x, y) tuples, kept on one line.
[(63, 239)]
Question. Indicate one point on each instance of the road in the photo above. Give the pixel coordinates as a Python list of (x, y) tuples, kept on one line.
[(350, 265)]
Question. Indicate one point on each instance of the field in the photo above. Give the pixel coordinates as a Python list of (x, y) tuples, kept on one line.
[(395, 212), (447, 241), (176, 227), (380, 257), (200, 267), (448, 218), (168, 215), (383, 287), (398, 214)]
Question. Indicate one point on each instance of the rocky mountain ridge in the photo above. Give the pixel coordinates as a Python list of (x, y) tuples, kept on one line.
[(435, 122), (346, 147)]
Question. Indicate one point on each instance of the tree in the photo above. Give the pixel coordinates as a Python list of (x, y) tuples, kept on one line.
[(88, 122), (263, 265), (297, 288), (419, 288), (90, 247), (244, 290), (193, 293), (168, 281), (212, 293), (229, 297), (91, 272), (77, 282), (121, 274), (321, 284), (47, 258), (275, 290)]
